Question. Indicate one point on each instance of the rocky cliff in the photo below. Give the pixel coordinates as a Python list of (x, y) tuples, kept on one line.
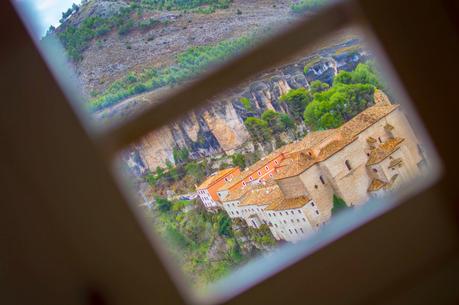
[(219, 127)]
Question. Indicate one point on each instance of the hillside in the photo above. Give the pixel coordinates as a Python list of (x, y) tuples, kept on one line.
[(129, 53), (161, 34)]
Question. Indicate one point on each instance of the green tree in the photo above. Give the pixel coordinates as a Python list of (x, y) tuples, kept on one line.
[(258, 129), (318, 86), (151, 179), (181, 155), (238, 160), (338, 205), (224, 224), (195, 170), (163, 204), (159, 172), (273, 119), (172, 171), (246, 103), (362, 74), (287, 121), (333, 107), (297, 100)]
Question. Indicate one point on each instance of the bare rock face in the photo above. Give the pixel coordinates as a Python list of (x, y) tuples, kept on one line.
[(226, 125), (157, 147), (219, 127)]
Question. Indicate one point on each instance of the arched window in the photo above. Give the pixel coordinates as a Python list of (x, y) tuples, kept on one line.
[(348, 164)]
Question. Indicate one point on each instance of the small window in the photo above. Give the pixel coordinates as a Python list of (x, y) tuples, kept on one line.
[(243, 183), (322, 179), (292, 212), (259, 173), (267, 167), (292, 221), (375, 170), (379, 139), (299, 211), (301, 229), (290, 230), (251, 178), (296, 231), (270, 175), (275, 225), (317, 212), (298, 220), (277, 162), (315, 186), (348, 164), (304, 219), (312, 203)]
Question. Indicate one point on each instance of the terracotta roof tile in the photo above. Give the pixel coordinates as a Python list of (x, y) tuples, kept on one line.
[(288, 203), (263, 195), (215, 177), (384, 150), (376, 185)]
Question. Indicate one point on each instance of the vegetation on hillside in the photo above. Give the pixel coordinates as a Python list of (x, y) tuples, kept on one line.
[(302, 6), (76, 39), (203, 243), (188, 64), (319, 107), (185, 5)]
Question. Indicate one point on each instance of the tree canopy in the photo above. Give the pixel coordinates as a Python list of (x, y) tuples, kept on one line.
[(278, 122), (297, 100), (238, 160), (258, 129), (351, 93)]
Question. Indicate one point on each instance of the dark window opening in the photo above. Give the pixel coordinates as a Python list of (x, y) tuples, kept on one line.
[(348, 164)]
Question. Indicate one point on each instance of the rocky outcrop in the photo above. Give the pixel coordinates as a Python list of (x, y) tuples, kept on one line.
[(219, 128)]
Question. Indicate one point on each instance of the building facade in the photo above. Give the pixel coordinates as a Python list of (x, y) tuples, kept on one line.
[(207, 191), (292, 189)]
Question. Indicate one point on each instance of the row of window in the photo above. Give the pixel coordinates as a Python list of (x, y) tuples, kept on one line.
[(296, 231), (291, 220), (286, 213), (259, 172)]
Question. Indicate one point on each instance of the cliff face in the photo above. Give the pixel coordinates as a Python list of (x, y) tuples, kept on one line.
[(219, 128)]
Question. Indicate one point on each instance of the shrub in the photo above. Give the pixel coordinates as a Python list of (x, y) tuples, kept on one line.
[(258, 129), (338, 205), (238, 160), (246, 103), (296, 101)]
